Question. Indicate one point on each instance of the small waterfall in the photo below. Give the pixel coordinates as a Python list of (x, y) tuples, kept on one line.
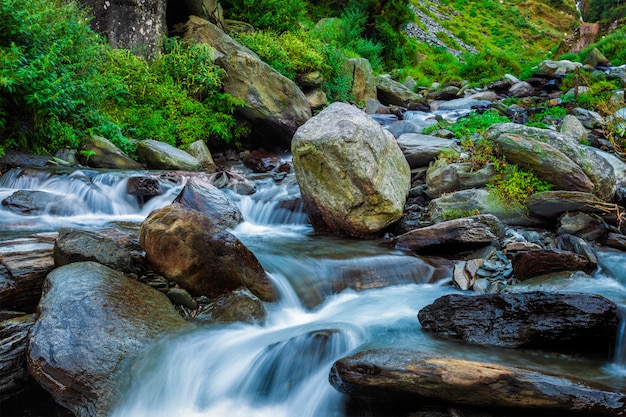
[(77, 197)]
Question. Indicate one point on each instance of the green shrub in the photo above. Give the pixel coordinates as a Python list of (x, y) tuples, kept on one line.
[(176, 99), (277, 15), (51, 74), (467, 126), (489, 65), (514, 185)]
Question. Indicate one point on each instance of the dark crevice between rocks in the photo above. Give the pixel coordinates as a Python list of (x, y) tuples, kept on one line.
[(177, 14)]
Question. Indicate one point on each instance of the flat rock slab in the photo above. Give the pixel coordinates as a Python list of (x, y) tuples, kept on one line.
[(453, 235), (559, 321), (529, 264), (551, 204), (415, 376)]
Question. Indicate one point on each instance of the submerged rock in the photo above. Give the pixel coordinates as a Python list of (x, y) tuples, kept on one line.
[(559, 321), (353, 177), (413, 377)]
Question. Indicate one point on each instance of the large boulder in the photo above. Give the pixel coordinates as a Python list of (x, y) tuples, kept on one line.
[(559, 321), (186, 246), (353, 176), (558, 68), (93, 321), (102, 153), (453, 235), (137, 25), (420, 150), (160, 155), (24, 264), (199, 194), (595, 167), (274, 104), (545, 161), (412, 378), (201, 152)]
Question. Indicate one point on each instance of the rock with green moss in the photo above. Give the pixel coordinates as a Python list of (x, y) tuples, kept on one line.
[(160, 155), (594, 166), (99, 152), (353, 176), (545, 161), (363, 79), (466, 203), (274, 104)]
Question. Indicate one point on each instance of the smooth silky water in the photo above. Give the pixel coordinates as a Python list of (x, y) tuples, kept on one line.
[(337, 297)]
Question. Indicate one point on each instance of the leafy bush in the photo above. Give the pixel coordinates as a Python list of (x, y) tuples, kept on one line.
[(51, 74), (538, 119), (467, 126), (514, 185), (489, 65), (277, 15), (176, 99)]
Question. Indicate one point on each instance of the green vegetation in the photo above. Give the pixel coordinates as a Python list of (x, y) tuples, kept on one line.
[(612, 46), (514, 185), (451, 214), (605, 10), (470, 125), (539, 119), (59, 82)]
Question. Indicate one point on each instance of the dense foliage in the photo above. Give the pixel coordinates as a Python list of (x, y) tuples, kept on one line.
[(605, 10), (59, 82)]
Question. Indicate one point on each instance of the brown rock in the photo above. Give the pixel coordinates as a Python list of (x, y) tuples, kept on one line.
[(453, 235), (536, 262), (412, 377), (187, 247)]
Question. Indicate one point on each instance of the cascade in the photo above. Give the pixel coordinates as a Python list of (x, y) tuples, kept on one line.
[(338, 297)]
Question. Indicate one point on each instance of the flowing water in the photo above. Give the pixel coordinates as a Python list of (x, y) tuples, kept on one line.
[(338, 296)]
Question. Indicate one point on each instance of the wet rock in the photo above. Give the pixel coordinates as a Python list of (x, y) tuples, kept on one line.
[(464, 104), (274, 105), (180, 297), (200, 151), (584, 323), (262, 161), (76, 245), (24, 264), (237, 306), (14, 377), (92, 322), (532, 263), (101, 153), (578, 246), (15, 159), (401, 127), (420, 150), (552, 204), (144, 188), (232, 181), (615, 240), (413, 377), (199, 194), (187, 247), (160, 155), (453, 235), (34, 202), (352, 174)]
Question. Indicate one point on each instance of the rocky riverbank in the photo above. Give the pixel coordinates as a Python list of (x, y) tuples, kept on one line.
[(102, 296)]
